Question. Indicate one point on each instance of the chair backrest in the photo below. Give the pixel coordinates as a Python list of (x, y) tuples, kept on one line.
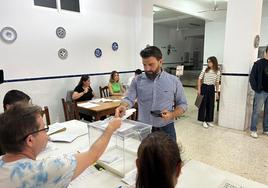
[(69, 95), (104, 91), (45, 111), (70, 110)]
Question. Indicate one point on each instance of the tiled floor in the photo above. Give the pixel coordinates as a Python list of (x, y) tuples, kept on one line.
[(226, 149)]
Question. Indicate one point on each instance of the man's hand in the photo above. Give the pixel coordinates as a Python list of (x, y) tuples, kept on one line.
[(114, 124), (120, 111), (167, 115)]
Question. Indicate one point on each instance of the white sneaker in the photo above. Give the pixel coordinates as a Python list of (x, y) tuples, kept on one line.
[(205, 125), (266, 132), (210, 124), (254, 134)]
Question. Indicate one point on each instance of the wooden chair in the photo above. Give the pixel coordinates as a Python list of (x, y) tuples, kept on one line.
[(45, 112), (70, 110), (104, 91)]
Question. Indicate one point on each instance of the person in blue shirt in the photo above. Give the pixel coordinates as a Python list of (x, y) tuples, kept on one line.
[(23, 136), (157, 93)]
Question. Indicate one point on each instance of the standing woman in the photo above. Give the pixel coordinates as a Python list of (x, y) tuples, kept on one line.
[(208, 79), (115, 87), (83, 91)]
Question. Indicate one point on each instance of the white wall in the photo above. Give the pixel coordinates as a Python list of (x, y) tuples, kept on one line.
[(214, 39), (34, 53), (183, 41), (215, 34)]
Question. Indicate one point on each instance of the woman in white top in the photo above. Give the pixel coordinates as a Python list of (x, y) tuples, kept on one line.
[(208, 79)]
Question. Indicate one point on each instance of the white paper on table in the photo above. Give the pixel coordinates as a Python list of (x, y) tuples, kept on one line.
[(55, 127), (96, 100), (116, 100), (87, 105), (90, 172), (66, 137)]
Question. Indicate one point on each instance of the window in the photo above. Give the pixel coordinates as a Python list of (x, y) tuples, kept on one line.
[(71, 5), (46, 3)]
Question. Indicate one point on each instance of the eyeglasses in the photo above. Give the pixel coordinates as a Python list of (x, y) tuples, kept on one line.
[(44, 129)]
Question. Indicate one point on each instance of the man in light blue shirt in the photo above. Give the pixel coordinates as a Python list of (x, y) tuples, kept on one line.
[(157, 92)]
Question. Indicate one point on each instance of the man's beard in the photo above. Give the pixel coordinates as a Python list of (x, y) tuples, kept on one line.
[(152, 75)]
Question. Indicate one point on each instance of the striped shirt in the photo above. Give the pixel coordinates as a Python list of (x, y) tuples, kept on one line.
[(210, 77)]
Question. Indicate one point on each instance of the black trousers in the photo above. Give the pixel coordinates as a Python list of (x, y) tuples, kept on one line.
[(206, 109)]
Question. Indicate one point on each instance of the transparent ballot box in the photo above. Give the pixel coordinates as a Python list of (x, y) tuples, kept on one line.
[(121, 153)]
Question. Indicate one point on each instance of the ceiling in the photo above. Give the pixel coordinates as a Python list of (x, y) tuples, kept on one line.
[(171, 18)]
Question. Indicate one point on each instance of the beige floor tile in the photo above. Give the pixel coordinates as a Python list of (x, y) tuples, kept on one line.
[(227, 149)]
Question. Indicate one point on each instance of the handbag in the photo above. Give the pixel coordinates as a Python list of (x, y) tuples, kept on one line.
[(198, 100)]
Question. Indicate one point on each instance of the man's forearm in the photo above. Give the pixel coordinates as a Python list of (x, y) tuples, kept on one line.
[(100, 145)]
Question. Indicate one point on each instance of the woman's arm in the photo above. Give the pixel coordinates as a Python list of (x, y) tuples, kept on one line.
[(199, 83), (77, 95)]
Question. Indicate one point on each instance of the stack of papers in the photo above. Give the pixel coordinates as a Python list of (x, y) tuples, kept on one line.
[(87, 105), (56, 128), (66, 137), (104, 100), (67, 131)]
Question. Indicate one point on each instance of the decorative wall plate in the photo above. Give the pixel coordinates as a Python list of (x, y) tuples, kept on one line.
[(115, 46), (63, 53), (256, 41), (8, 34), (60, 32), (98, 52)]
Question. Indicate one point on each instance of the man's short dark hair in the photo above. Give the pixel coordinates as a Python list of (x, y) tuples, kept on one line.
[(151, 51), (266, 50), (14, 96), (138, 71), (16, 123)]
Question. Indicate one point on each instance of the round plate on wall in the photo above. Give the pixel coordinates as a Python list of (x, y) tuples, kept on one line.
[(115, 46), (98, 52), (63, 53), (60, 32), (8, 34), (256, 41)]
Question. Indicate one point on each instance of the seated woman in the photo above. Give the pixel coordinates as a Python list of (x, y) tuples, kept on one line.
[(159, 162), (115, 87), (83, 92)]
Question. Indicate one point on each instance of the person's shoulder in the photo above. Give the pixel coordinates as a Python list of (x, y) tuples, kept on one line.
[(77, 88)]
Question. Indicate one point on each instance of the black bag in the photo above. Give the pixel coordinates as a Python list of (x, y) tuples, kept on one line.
[(198, 100)]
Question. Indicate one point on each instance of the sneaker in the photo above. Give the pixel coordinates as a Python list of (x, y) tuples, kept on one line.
[(254, 134), (205, 125), (210, 124), (265, 132)]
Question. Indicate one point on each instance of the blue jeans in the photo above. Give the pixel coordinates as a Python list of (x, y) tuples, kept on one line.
[(169, 129), (260, 99)]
